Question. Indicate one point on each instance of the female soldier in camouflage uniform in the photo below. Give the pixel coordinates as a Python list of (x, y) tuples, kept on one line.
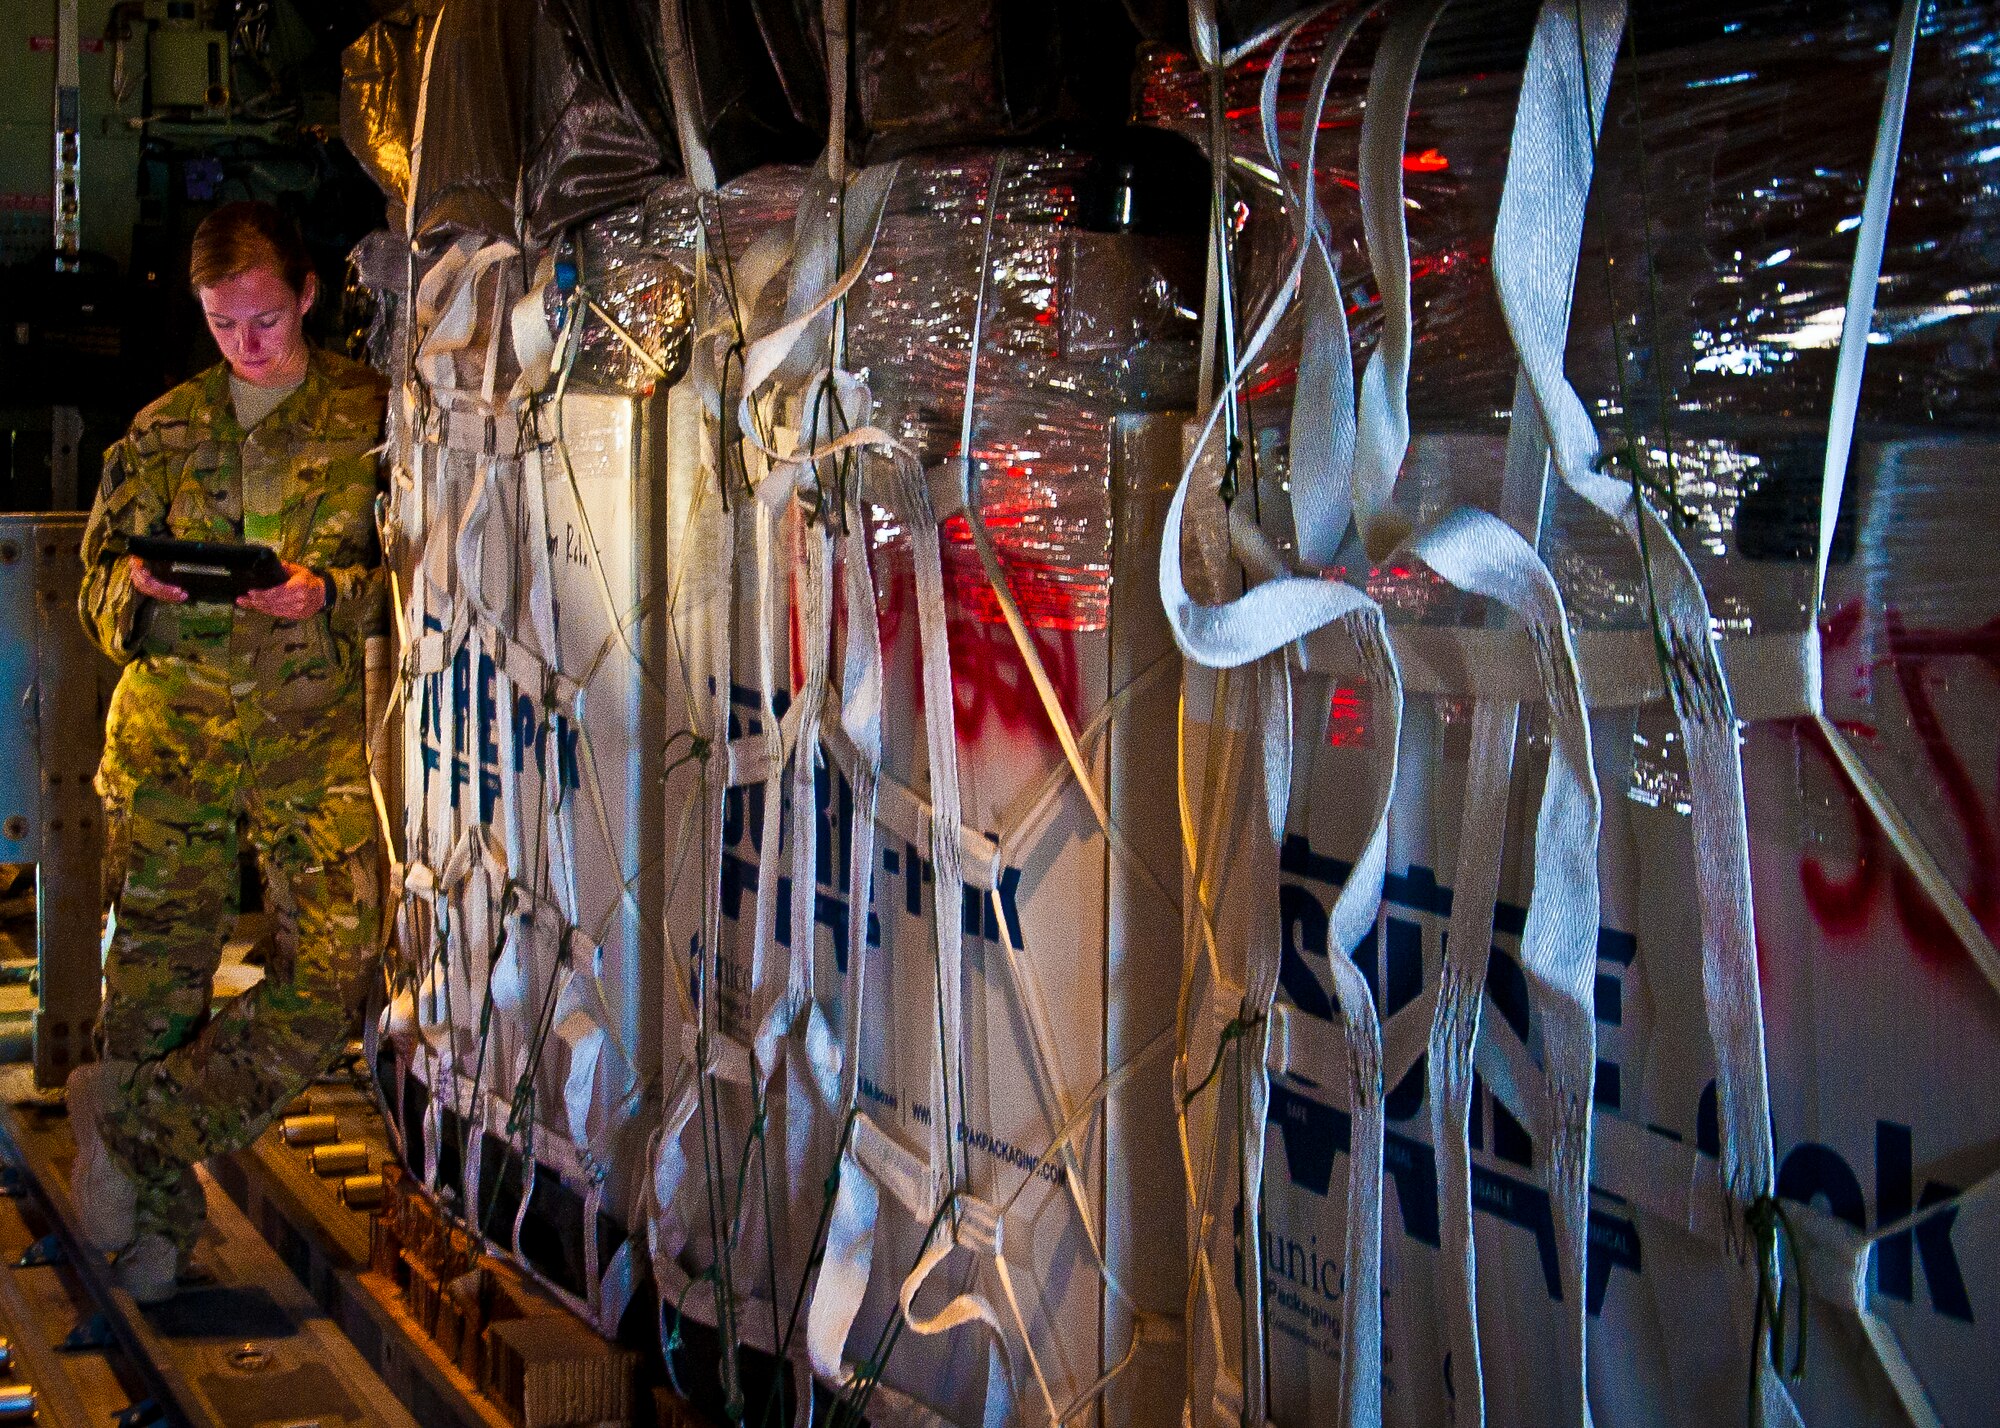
[(249, 715)]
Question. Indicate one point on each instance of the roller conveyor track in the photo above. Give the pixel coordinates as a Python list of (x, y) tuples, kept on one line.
[(251, 1349)]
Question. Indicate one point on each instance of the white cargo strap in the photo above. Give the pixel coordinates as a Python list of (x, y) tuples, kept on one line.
[(601, 1094), (1382, 419), (1454, 1038), (1562, 102), (1273, 614), (1675, 1182), (686, 97), (1842, 1260), (1505, 568), (978, 1227), (1620, 669), (861, 725), (1322, 422), (833, 26), (800, 730), (768, 1021), (448, 309), (862, 1174), (874, 1162), (911, 818), (814, 581), (1568, 74), (941, 745), (1480, 553), (1205, 35), (1351, 920), (867, 194)]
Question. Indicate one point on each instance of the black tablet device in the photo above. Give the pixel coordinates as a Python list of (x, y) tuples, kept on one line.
[(215, 572)]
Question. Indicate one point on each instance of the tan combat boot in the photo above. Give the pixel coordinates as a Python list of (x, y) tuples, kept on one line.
[(148, 1268), (105, 1195)]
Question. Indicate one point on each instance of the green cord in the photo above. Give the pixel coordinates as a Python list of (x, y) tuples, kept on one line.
[(1237, 1027), (1782, 1299)]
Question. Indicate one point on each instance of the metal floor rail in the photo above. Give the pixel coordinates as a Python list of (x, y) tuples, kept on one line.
[(251, 1349)]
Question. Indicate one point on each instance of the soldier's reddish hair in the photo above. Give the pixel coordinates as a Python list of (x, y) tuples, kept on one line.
[(238, 237)]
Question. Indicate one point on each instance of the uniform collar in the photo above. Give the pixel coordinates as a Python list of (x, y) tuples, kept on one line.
[(222, 401)]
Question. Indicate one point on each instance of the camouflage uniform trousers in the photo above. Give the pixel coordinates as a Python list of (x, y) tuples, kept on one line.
[(189, 753)]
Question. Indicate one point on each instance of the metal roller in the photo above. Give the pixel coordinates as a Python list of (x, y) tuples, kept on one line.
[(17, 1403), (347, 1157), (363, 1192), (311, 1130)]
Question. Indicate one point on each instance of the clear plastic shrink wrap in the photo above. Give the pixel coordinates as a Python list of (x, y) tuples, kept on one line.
[(1720, 234), (1716, 251)]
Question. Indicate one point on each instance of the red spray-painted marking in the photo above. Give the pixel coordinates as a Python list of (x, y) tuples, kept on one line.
[(1350, 720), (990, 682), (1842, 906)]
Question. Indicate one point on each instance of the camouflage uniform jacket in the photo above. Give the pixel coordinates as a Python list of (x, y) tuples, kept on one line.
[(180, 471)]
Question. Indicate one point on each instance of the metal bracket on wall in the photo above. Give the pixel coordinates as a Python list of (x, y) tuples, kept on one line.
[(58, 687)]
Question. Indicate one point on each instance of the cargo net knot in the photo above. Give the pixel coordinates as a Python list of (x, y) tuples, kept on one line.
[(1779, 1323), (1236, 1027)]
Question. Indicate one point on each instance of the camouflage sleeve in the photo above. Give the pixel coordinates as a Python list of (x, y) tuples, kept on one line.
[(129, 502), (342, 544)]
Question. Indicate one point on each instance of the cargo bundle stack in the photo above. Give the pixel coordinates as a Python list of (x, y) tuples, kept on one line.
[(1309, 760)]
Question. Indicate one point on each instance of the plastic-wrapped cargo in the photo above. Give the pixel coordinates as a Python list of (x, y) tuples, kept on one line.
[(1480, 939), (1709, 299), (542, 114), (552, 733), (529, 847), (1024, 1184)]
